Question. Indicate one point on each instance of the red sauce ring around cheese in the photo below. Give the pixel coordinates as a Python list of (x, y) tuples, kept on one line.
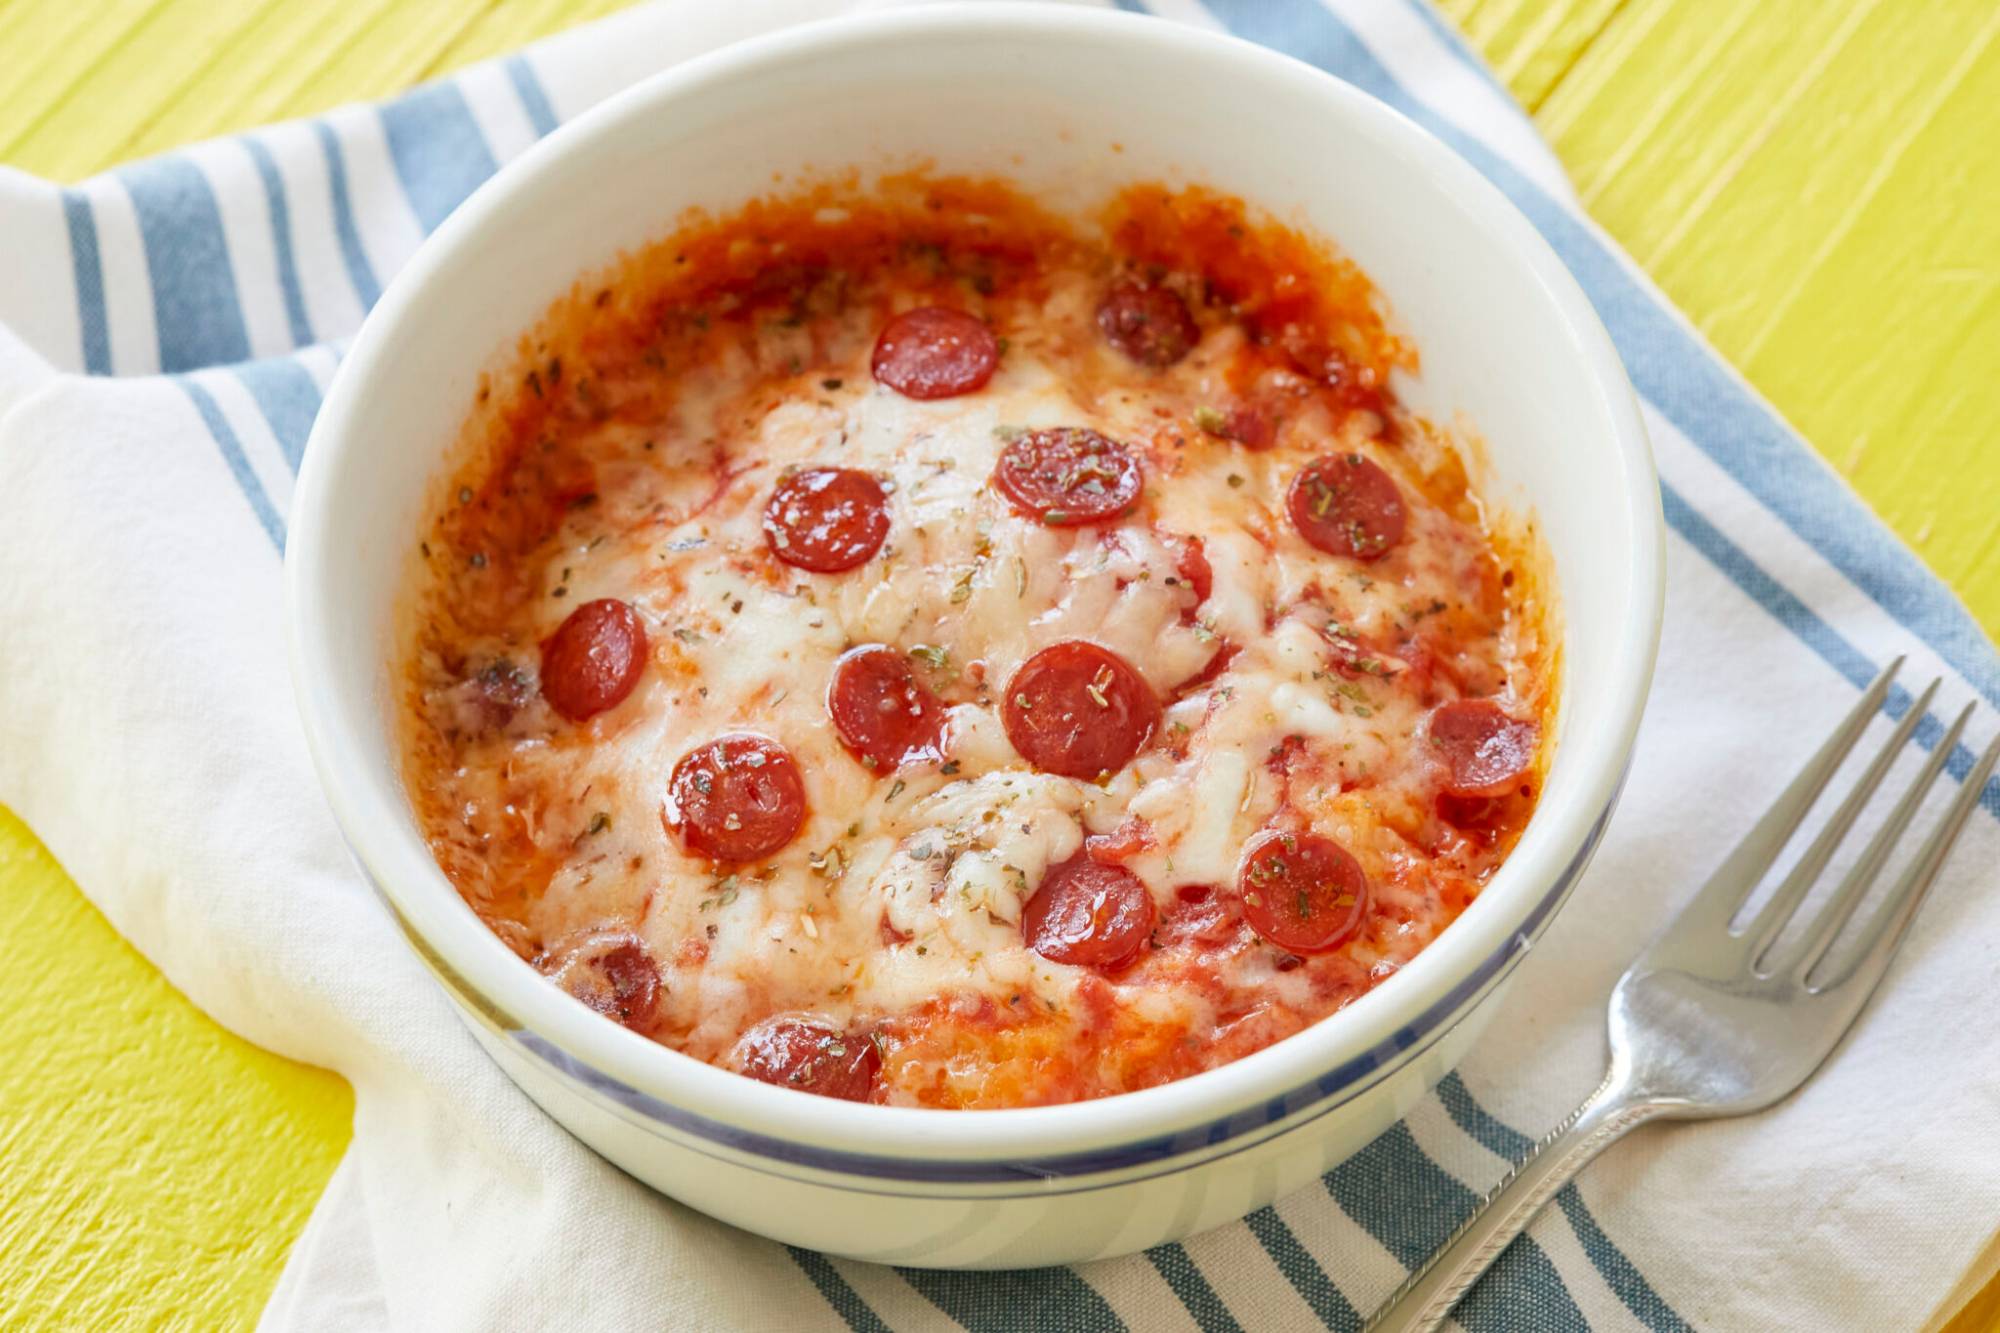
[(1345, 504), (594, 659), (611, 972), (1067, 476), (1302, 892), (1088, 914), (1078, 711), (811, 1057), (1484, 751), (736, 798), (881, 711), (827, 519), (1149, 324), (934, 352)]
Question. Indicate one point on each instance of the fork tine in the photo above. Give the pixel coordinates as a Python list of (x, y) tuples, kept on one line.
[(1772, 919), (1855, 884), (1884, 931), (1712, 907)]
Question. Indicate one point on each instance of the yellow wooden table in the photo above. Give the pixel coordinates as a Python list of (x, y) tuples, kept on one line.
[(1817, 182)]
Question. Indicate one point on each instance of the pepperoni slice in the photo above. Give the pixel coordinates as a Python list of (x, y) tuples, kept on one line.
[(736, 798), (1302, 892), (1067, 476), (1149, 324), (1088, 914), (810, 1056), (1346, 505), (881, 711), (612, 973), (827, 519), (1077, 710), (933, 352), (1484, 751), (594, 659)]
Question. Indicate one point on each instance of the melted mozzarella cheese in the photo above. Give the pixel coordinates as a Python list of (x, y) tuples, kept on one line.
[(905, 888)]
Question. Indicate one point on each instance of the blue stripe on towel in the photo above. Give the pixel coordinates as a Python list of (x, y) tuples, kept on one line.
[(238, 462), (359, 271), (195, 305), (1785, 607), (1412, 1205), (844, 1299), (440, 154), (1178, 1269), (1021, 1300), (1300, 1269), (1522, 1290), (281, 240), (88, 270), (529, 89), (288, 396), (1618, 1272)]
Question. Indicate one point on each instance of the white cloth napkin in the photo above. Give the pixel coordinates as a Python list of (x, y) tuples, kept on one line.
[(166, 331)]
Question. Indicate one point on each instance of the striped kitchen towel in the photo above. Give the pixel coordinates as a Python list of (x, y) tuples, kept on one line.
[(167, 331)]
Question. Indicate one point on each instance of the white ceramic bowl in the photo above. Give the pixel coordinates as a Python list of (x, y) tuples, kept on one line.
[(1071, 104)]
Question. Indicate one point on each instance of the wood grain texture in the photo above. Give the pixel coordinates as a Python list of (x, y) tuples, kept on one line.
[(157, 1168), (1816, 182), (1818, 186)]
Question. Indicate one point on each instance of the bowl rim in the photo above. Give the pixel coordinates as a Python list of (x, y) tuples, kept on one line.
[(1516, 904)]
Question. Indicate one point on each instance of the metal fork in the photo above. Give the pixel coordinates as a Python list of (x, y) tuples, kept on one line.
[(1716, 1021)]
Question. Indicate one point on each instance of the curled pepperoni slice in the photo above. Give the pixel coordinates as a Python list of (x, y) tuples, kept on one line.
[(594, 659), (933, 352), (1302, 892), (1346, 505), (1078, 711), (612, 973), (1090, 914), (881, 711), (736, 798), (1067, 476), (1149, 324), (810, 1056), (1483, 750), (827, 519)]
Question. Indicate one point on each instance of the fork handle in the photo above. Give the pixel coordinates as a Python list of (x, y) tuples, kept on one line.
[(1426, 1298)]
